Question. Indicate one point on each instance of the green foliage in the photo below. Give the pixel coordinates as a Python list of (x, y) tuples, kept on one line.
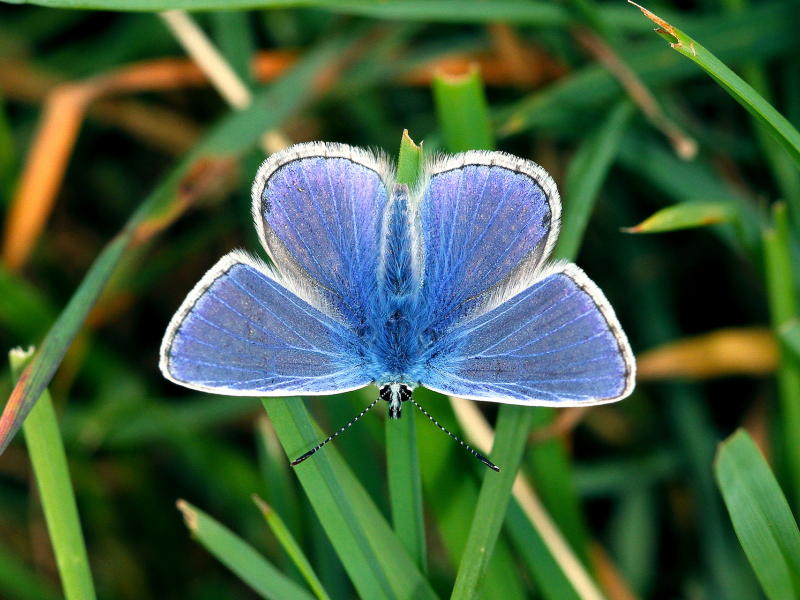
[(760, 515), (396, 509), (686, 215)]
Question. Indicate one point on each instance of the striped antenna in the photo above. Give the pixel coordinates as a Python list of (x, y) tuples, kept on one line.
[(310, 452), (475, 453)]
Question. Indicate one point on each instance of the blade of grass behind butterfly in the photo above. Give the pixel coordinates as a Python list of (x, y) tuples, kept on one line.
[(49, 461), (292, 548), (240, 557), (374, 559), (783, 309), (447, 466), (402, 456), (464, 121), (234, 136)]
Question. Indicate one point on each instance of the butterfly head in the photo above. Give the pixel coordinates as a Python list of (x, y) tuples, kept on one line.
[(395, 394)]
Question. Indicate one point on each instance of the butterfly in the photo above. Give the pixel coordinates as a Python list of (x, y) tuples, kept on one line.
[(445, 284)]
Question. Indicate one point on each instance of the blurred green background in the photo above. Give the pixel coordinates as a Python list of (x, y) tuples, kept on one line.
[(125, 175)]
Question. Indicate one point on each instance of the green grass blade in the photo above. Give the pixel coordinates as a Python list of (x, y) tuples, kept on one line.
[(763, 111), (402, 455), (761, 516), (291, 547), (585, 176), (462, 112), (240, 557), (783, 309), (236, 135), (767, 28), (410, 160), (789, 333), (49, 461), (405, 488), (234, 37), (687, 215), (549, 576), (363, 552), (513, 425)]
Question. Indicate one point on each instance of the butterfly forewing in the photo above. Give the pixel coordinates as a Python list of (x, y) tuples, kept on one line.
[(318, 208), (241, 332), (483, 216), (558, 342)]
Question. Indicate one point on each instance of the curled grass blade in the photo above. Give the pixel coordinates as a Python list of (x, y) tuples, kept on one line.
[(761, 516), (687, 215), (49, 461), (763, 111), (196, 175), (240, 557)]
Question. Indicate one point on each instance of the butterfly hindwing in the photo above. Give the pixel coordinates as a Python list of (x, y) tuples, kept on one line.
[(241, 332), (557, 343), (318, 209), (484, 215)]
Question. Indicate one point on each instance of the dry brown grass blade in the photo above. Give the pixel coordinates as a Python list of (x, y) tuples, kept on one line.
[(720, 353), (43, 171), (64, 110)]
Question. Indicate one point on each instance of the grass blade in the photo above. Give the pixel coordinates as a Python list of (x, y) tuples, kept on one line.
[(236, 135), (374, 559), (766, 27), (783, 309), (409, 163), (49, 462), (585, 176), (761, 516), (513, 425), (687, 215), (462, 112), (291, 546), (763, 111), (240, 557), (402, 455)]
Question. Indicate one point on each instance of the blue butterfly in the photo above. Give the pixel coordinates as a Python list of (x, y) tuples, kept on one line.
[(445, 284)]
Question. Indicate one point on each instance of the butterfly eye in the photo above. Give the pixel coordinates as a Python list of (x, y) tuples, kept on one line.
[(386, 393), (405, 393)]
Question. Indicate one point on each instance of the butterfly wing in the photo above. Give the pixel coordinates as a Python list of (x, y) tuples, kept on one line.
[(485, 216), (557, 342), (318, 209), (241, 332)]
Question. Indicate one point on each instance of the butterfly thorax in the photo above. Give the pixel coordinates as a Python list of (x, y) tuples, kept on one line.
[(396, 348)]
